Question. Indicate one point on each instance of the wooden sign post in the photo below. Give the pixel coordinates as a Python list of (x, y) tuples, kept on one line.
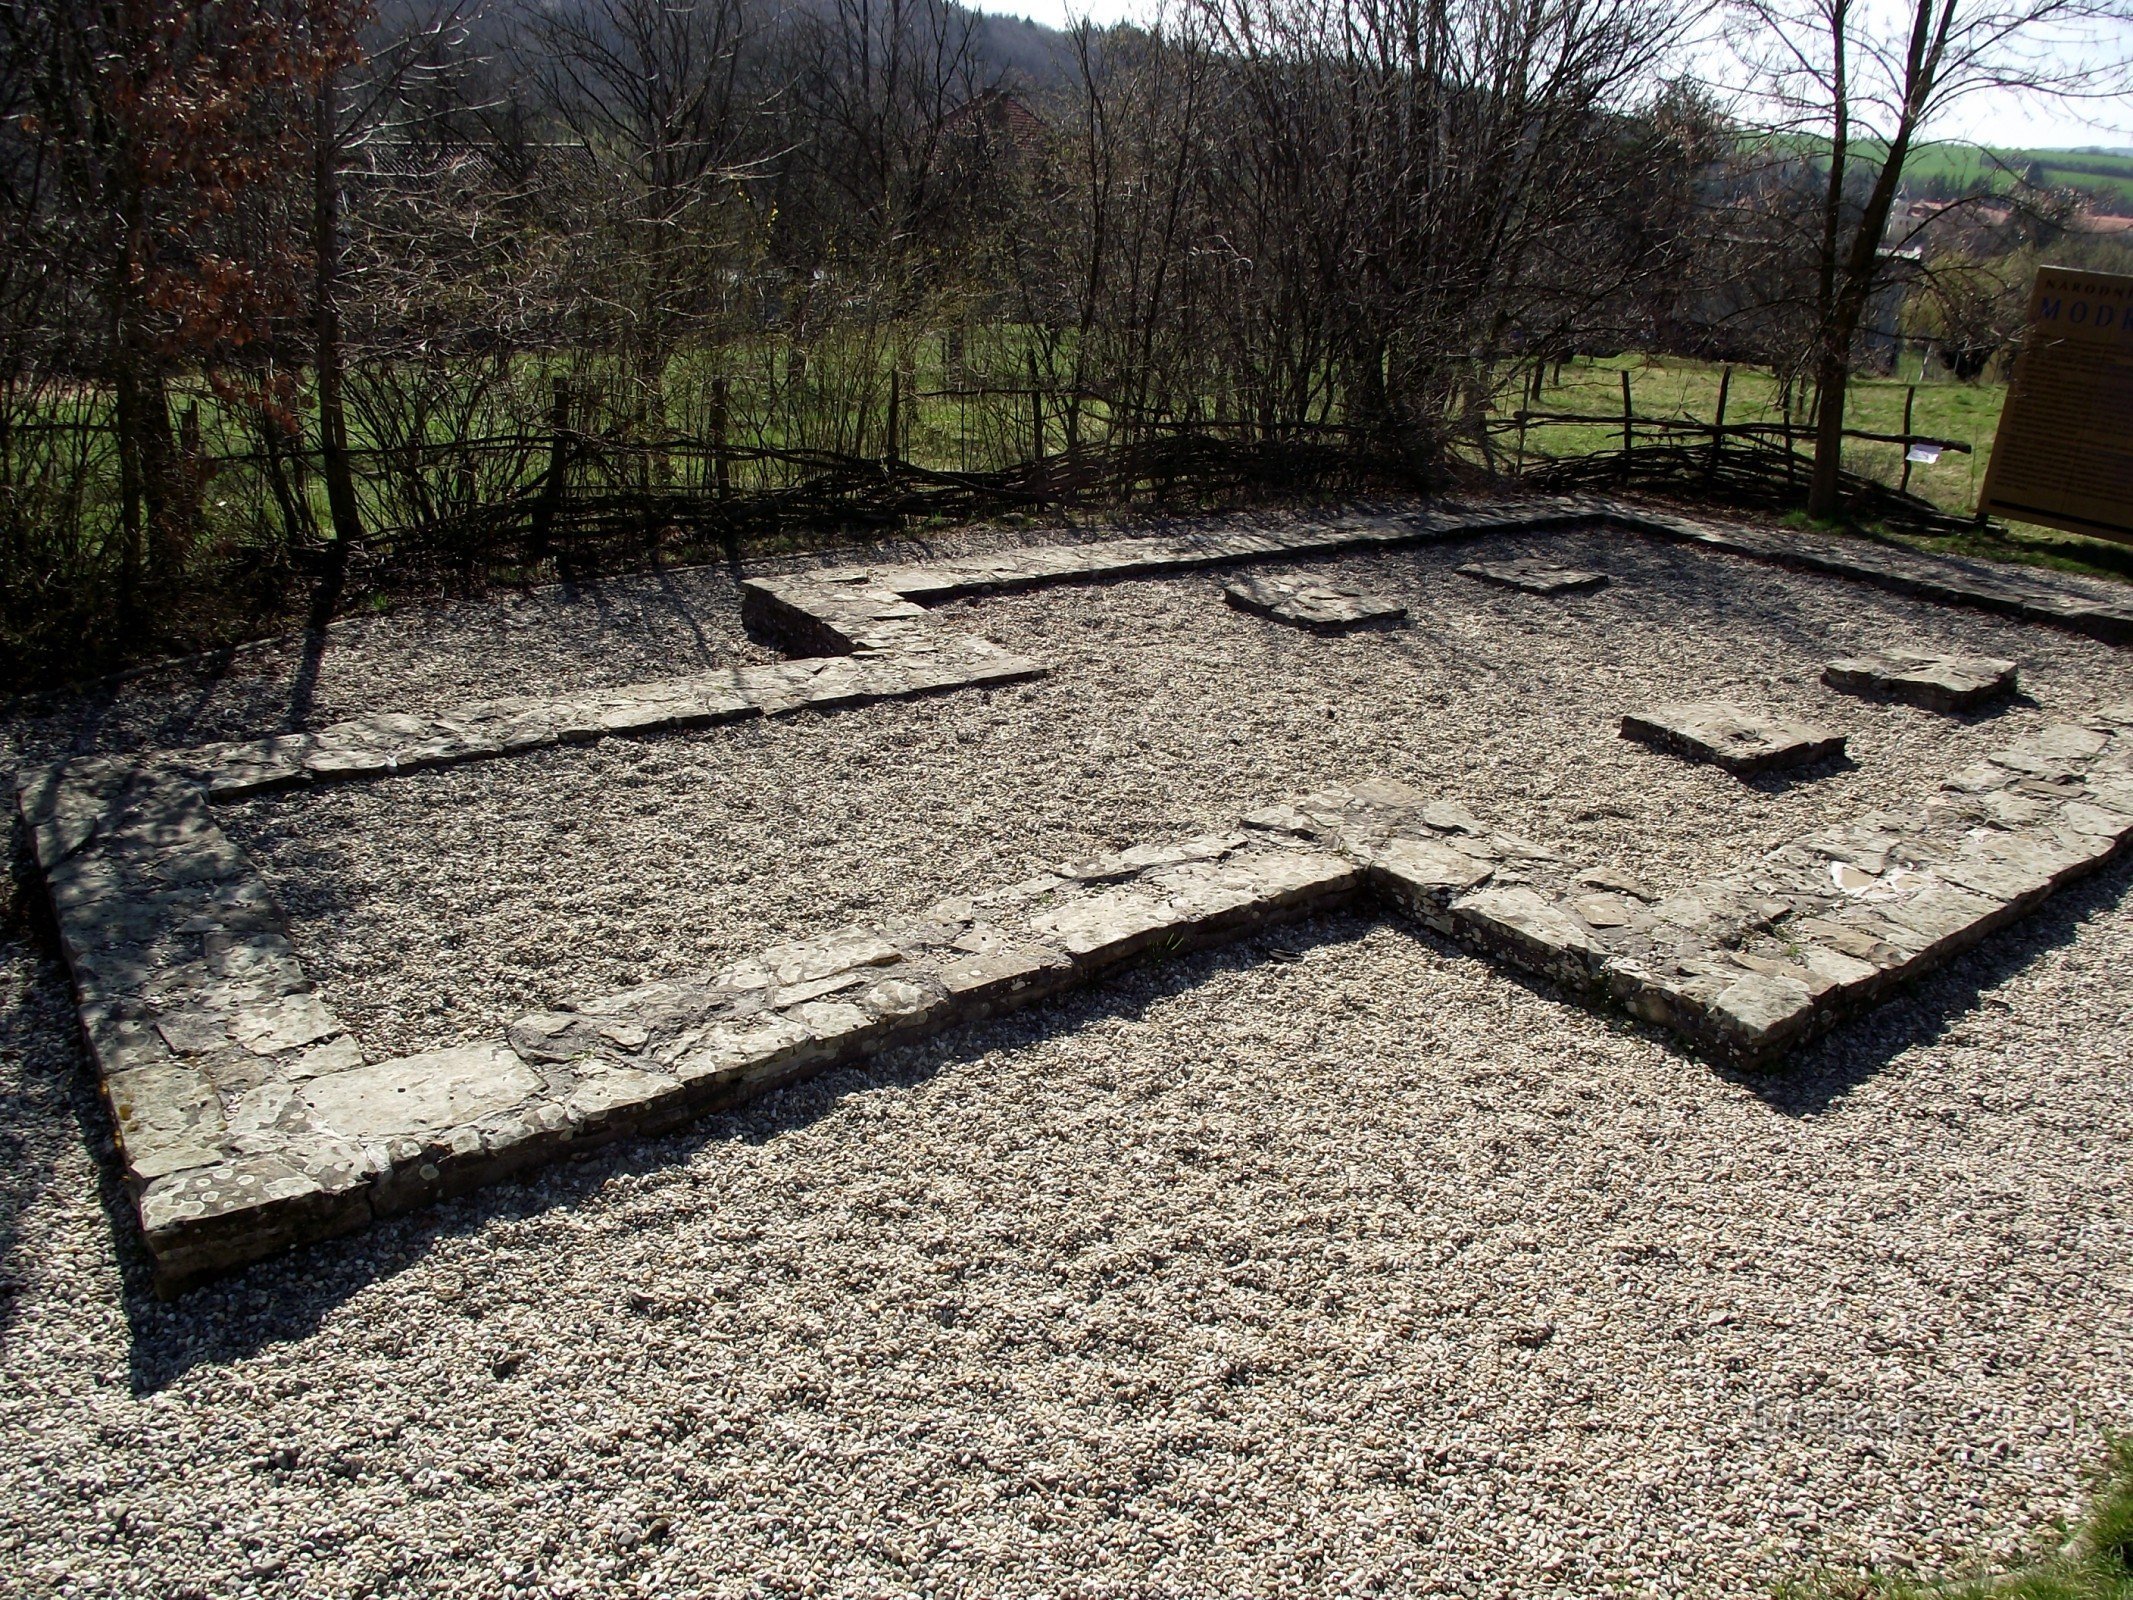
[(2063, 455)]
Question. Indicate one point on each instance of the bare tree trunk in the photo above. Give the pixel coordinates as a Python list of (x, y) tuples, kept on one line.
[(1854, 278), (142, 418), (1825, 482), (326, 328)]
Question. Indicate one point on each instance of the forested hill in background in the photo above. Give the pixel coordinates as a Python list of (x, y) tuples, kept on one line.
[(1015, 53), (1028, 51), (1009, 51)]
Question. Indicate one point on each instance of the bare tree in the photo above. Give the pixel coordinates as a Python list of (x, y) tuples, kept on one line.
[(1414, 186), (1867, 82)]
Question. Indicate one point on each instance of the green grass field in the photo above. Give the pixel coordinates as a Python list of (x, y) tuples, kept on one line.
[(1968, 413), (1663, 386), (2105, 176)]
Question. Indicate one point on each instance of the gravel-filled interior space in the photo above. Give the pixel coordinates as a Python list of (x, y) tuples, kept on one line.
[(452, 901), (1336, 1261)]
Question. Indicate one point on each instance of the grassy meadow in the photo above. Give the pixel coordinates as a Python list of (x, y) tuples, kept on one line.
[(1967, 413)]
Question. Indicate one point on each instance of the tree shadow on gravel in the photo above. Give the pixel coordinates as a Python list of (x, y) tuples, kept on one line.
[(686, 613), (187, 693), (49, 1106), (1726, 590), (290, 1296), (1813, 1082)]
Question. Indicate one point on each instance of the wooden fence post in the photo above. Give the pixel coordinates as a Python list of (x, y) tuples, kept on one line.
[(1036, 416), (1785, 429), (1910, 396), (1718, 426), (550, 499), (889, 445), (719, 471), (1628, 421)]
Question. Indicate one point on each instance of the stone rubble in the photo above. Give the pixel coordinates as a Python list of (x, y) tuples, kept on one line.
[(1937, 682), (1741, 740), (1535, 575), (1321, 607)]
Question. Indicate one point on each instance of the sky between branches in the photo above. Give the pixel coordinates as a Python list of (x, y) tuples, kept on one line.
[(2002, 119)]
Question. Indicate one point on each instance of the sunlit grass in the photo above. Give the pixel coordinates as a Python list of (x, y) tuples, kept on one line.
[(2096, 1564)]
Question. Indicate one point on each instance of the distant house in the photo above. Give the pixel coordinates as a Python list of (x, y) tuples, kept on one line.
[(996, 122)]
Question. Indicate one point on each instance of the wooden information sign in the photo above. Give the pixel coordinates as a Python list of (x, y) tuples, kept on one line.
[(2064, 452)]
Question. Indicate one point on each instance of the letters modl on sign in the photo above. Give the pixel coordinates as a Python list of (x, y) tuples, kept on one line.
[(2064, 452)]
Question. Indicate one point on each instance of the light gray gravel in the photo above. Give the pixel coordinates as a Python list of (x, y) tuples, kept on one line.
[(447, 903), (1370, 1271)]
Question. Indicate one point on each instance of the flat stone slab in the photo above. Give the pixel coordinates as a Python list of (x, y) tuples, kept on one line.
[(1731, 736), (1937, 682), (1535, 576), (1323, 607)]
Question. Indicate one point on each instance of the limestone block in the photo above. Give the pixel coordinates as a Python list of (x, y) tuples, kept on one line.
[(1603, 911), (612, 1096), (1424, 875), (208, 1218), (843, 951), (730, 1053), (167, 1118), (337, 1054), (64, 806), (2052, 751), (1617, 882), (1321, 607), (1939, 682), (122, 1036), (1008, 974), (1981, 778), (2111, 826), (361, 747), (1731, 736), (2015, 868), (1530, 931), (1535, 576), (571, 1035), (1106, 927), (1936, 919), (420, 1096), (1758, 1015), (836, 1023)]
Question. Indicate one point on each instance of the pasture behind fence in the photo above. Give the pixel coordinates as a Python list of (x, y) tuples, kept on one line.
[(513, 467)]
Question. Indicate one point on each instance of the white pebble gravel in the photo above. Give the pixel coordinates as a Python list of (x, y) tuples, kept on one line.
[(1339, 1262)]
